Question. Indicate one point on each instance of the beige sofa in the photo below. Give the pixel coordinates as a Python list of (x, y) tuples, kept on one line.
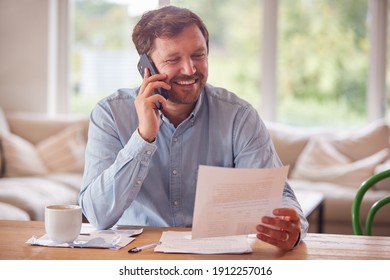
[(335, 162), (42, 161)]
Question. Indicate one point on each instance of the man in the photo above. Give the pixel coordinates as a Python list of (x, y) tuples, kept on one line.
[(141, 162)]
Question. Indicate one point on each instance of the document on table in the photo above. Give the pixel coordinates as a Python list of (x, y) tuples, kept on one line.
[(231, 201), (182, 242)]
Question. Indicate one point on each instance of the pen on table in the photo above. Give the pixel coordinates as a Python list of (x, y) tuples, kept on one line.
[(143, 247)]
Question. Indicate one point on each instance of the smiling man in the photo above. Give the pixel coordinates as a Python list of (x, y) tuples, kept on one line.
[(142, 163)]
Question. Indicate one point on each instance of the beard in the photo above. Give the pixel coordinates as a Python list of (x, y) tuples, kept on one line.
[(187, 89)]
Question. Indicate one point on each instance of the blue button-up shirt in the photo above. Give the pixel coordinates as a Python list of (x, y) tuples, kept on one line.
[(130, 181)]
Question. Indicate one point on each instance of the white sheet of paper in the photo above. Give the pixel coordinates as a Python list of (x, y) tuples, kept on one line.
[(182, 242), (231, 201)]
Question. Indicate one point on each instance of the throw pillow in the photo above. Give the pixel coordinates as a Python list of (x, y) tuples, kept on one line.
[(64, 152), (21, 157), (361, 143), (288, 142), (321, 161)]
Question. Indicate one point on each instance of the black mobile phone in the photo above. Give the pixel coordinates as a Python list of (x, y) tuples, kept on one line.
[(146, 62)]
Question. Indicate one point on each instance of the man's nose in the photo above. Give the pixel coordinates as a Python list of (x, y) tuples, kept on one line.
[(188, 67)]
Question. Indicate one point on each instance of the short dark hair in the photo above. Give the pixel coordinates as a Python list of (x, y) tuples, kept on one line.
[(165, 22)]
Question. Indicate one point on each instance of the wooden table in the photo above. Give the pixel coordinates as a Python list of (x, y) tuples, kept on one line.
[(14, 234)]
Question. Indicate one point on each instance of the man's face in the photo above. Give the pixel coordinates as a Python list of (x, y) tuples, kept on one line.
[(184, 60)]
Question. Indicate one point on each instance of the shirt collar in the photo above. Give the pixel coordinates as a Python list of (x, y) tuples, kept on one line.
[(196, 110)]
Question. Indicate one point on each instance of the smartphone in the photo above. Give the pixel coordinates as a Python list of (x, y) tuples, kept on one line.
[(146, 62)]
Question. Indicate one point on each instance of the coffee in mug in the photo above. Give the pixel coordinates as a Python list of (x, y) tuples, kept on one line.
[(63, 222)]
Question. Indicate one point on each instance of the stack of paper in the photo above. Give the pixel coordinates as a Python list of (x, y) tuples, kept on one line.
[(182, 242)]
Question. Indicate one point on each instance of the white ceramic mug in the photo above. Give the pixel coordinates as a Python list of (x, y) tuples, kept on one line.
[(63, 222)]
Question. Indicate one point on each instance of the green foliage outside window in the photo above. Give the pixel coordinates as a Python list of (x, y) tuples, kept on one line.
[(323, 61)]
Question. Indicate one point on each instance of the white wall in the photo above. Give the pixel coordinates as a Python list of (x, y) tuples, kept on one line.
[(23, 55)]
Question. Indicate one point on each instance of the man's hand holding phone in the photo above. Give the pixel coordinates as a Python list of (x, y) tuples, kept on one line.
[(146, 63), (147, 102)]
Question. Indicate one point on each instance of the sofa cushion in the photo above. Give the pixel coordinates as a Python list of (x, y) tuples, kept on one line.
[(347, 158), (339, 198), (64, 151), (385, 183), (36, 127), (321, 162), (10, 212), (32, 194), (363, 142), (20, 157), (71, 180), (288, 142)]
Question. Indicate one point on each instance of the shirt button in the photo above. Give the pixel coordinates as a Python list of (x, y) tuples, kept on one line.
[(139, 182), (148, 152), (174, 172), (175, 139), (176, 202)]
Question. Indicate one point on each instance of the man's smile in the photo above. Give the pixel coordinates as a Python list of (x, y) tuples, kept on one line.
[(186, 82)]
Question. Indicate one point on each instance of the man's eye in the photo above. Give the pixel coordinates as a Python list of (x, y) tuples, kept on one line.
[(199, 56), (173, 61)]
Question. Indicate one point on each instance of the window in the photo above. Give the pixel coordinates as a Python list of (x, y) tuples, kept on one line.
[(321, 57), (322, 62), (103, 57)]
